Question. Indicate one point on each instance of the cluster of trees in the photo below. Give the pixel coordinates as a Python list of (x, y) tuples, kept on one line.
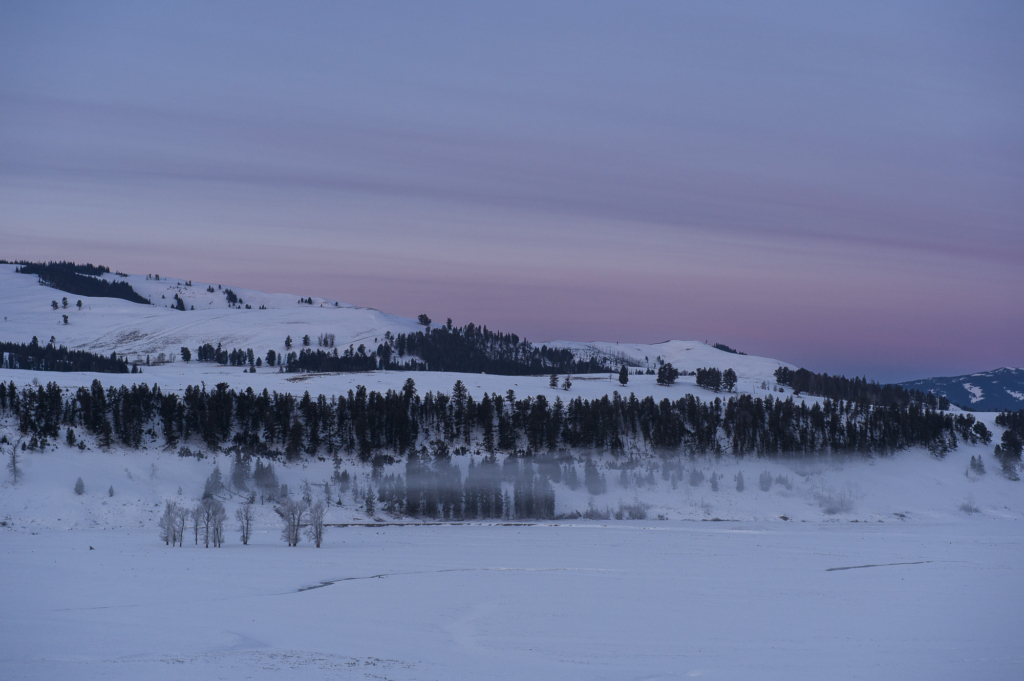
[(667, 374), (477, 349), (370, 423), (1012, 444), (858, 390), (716, 379), (206, 519), (725, 348), (50, 357), (81, 280)]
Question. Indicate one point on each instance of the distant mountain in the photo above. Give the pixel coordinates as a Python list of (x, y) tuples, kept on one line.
[(996, 390)]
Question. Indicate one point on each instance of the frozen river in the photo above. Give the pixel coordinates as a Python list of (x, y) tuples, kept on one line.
[(615, 600)]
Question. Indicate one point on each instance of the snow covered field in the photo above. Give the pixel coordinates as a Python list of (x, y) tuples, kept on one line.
[(590, 600)]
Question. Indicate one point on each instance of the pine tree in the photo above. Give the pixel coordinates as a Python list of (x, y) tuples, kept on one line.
[(553, 381), (623, 375), (79, 487)]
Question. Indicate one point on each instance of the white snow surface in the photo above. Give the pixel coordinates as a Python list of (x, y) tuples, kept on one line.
[(730, 585)]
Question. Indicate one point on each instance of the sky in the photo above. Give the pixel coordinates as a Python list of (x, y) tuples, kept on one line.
[(836, 185)]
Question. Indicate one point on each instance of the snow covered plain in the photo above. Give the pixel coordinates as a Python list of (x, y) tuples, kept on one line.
[(603, 600), (728, 584)]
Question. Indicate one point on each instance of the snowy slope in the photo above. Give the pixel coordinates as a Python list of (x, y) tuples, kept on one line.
[(108, 324), (997, 390)]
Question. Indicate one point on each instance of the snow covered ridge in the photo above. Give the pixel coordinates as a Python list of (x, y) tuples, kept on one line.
[(262, 321), (997, 390)]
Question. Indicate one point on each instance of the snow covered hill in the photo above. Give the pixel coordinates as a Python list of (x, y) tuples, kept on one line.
[(997, 390), (106, 325)]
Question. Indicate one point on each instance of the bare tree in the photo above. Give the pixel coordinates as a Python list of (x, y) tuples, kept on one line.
[(196, 516), (315, 528), (181, 519), (292, 513), (212, 515), (219, 515), (169, 524), (245, 514), (12, 463)]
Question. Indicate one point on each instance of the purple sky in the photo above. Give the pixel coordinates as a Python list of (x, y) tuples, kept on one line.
[(840, 187)]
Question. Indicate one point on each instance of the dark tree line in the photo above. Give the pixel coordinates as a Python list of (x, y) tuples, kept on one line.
[(376, 425), (716, 379), (477, 349), (854, 389), (81, 280), (52, 358)]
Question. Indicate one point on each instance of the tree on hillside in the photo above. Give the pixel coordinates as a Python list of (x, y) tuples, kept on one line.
[(667, 374), (305, 341), (214, 484), (186, 354), (424, 320), (623, 375), (729, 380), (12, 461), (288, 343)]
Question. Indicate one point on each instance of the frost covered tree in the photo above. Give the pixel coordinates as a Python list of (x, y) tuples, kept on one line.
[(292, 513), (739, 482), (245, 515), (553, 381), (195, 514), (181, 517), (110, 492), (169, 524), (79, 487), (315, 528), (371, 502), (212, 515), (219, 515)]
